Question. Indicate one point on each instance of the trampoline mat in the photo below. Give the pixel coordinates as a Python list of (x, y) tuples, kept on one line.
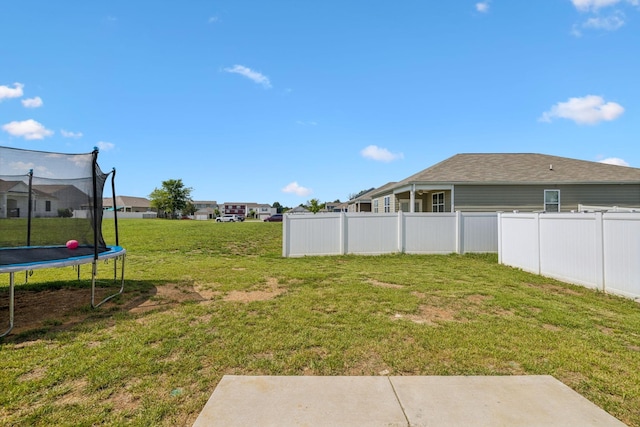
[(38, 254)]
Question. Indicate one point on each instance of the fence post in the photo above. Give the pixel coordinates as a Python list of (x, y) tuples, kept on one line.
[(599, 242), (459, 233), (342, 234), (401, 231), (285, 236), (500, 237), (539, 255)]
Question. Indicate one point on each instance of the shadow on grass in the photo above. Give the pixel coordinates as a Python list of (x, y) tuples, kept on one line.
[(59, 306)]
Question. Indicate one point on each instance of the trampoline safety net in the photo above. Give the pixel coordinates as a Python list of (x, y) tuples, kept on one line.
[(47, 199)]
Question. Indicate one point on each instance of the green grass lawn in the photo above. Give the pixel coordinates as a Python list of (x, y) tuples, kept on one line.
[(205, 299)]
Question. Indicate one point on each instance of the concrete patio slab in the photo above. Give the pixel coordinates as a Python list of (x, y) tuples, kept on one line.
[(399, 401), (480, 401), (302, 401)]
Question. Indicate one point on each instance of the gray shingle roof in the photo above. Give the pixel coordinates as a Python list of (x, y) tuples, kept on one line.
[(522, 168)]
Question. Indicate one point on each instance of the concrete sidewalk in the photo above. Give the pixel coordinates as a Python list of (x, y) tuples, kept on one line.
[(399, 401)]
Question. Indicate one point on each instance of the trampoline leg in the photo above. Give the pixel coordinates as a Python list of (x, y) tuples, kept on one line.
[(93, 282), (11, 295)]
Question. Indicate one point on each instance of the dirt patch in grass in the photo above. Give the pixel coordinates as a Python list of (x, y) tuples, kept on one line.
[(383, 284), (33, 375), (430, 315), (436, 309), (63, 308), (54, 307), (76, 395), (554, 289), (271, 291), (123, 401), (168, 295)]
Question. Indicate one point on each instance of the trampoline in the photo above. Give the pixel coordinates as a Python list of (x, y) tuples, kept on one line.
[(57, 200)]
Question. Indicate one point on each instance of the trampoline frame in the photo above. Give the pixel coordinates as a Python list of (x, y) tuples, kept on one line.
[(114, 252)]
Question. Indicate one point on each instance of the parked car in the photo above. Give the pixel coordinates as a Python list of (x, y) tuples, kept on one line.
[(228, 218), (274, 218)]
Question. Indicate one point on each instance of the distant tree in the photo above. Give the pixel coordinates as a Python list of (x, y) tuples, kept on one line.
[(278, 207), (171, 198), (315, 206)]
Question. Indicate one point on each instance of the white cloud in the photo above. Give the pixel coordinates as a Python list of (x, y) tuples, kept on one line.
[(380, 154), (599, 20), (213, 19), (28, 129), (105, 146), (482, 7), (297, 189), (32, 102), (590, 109), (306, 123), (15, 92), (250, 74), (614, 161), (608, 23), (594, 5), (68, 134)]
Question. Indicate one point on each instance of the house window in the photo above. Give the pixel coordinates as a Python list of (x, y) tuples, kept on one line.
[(47, 205), (387, 203), (437, 202), (552, 200), (375, 206)]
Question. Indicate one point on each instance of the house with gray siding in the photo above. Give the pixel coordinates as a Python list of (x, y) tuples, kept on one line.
[(505, 182)]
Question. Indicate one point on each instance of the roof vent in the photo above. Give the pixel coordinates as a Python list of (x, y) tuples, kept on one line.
[(550, 167)]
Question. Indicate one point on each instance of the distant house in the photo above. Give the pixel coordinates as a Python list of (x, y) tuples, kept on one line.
[(205, 209), (46, 199), (507, 182), (361, 202), (66, 196), (14, 199), (364, 202), (235, 208), (335, 207), (128, 204), (261, 210), (298, 210)]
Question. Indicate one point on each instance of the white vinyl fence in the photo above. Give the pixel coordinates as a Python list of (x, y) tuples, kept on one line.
[(121, 215), (375, 234), (596, 250)]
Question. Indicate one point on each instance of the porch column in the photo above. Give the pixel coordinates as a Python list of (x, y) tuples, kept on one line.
[(412, 198)]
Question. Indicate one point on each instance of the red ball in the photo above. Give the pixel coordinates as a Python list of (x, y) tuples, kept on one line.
[(72, 244)]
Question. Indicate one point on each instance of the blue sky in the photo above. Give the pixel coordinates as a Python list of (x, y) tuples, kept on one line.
[(265, 101)]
